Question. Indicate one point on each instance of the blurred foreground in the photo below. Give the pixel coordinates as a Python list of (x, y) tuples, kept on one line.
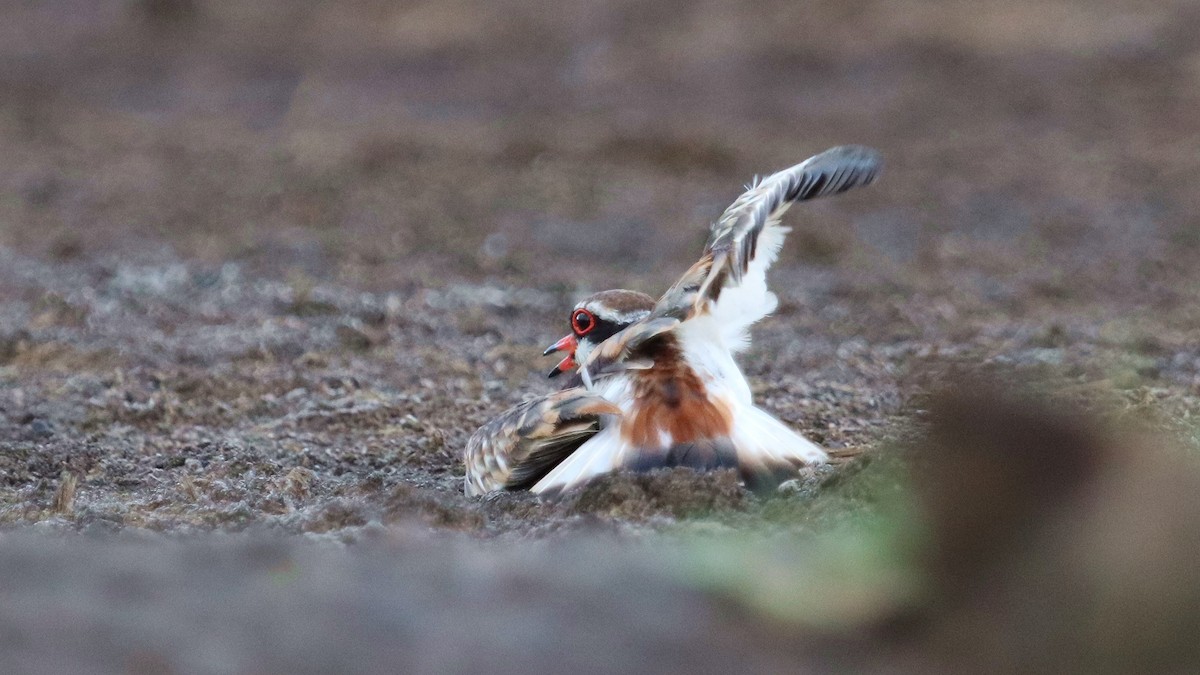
[(1036, 543)]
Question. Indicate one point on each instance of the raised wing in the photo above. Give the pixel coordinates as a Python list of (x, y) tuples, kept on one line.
[(514, 450), (716, 301), (746, 239)]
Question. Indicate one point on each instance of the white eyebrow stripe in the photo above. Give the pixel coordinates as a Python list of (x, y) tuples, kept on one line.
[(619, 317)]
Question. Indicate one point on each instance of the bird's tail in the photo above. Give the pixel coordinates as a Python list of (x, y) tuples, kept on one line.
[(767, 450)]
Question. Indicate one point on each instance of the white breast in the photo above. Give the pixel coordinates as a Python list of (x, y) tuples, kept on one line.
[(707, 350)]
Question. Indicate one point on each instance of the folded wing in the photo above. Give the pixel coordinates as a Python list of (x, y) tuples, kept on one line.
[(514, 450)]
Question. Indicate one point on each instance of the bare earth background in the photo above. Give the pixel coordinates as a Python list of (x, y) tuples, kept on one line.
[(264, 266)]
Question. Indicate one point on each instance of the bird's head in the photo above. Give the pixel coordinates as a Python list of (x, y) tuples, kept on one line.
[(595, 319)]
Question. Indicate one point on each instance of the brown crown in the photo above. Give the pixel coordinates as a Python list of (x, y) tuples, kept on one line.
[(619, 302)]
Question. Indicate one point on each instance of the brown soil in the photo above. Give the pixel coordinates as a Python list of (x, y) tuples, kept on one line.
[(265, 266)]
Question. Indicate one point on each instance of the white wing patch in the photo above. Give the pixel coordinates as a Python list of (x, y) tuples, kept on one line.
[(741, 306)]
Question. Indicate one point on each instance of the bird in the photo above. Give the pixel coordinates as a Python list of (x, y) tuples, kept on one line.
[(654, 383)]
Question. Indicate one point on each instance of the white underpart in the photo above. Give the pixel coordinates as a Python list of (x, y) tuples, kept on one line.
[(757, 437)]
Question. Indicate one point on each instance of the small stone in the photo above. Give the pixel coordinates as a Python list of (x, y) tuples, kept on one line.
[(41, 428), (495, 246), (64, 496), (353, 338), (790, 487)]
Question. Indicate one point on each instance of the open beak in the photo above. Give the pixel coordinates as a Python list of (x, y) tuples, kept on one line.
[(567, 344)]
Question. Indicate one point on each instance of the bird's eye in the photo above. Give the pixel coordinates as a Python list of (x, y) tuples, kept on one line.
[(582, 322)]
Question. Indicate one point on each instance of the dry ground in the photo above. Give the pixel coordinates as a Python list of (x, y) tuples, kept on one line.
[(265, 266)]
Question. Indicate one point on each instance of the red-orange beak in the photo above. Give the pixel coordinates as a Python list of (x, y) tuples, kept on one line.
[(567, 344)]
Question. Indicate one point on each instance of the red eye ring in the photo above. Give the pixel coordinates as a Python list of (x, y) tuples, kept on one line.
[(582, 322)]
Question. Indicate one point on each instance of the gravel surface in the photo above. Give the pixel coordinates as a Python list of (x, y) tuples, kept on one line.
[(264, 268)]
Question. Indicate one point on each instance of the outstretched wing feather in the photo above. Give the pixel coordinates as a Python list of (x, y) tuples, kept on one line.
[(733, 244)]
